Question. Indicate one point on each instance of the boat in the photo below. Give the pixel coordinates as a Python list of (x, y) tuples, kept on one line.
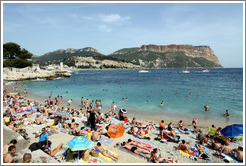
[(143, 71), (186, 71), (205, 71)]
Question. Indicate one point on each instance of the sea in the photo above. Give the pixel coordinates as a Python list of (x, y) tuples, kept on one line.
[(184, 94)]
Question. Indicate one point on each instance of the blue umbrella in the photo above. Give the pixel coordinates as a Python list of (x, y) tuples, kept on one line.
[(232, 130), (79, 143)]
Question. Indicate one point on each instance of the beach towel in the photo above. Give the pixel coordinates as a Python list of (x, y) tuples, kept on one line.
[(106, 158), (130, 152), (206, 151), (91, 160), (148, 146), (105, 141), (184, 153)]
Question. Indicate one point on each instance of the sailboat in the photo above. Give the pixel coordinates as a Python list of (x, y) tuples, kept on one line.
[(186, 71)]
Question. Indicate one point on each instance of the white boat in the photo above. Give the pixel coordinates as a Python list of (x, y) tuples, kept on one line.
[(143, 71), (205, 71), (185, 71)]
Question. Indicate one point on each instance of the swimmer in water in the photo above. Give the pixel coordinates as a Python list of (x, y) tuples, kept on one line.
[(227, 113), (126, 99), (206, 108), (162, 104)]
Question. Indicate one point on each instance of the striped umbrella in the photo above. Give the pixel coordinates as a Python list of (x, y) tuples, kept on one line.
[(79, 143)]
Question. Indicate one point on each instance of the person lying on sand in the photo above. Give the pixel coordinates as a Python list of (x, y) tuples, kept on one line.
[(133, 149), (140, 145), (160, 159), (26, 120), (39, 120), (105, 152), (54, 151)]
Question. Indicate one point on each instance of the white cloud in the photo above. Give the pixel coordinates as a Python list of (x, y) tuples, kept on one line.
[(104, 28), (113, 18)]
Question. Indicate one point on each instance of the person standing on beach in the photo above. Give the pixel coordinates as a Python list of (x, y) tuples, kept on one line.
[(82, 102), (112, 106), (69, 102), (51, 100), (92, 119), (8, 157), (61, 100)]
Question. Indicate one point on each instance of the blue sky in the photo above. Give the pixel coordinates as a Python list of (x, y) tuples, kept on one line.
[(45, 27)]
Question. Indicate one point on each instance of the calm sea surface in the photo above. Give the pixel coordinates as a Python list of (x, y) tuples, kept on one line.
[(183, 94)]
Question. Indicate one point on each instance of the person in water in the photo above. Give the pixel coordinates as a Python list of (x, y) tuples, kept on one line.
[(227, 113), (206, 108)]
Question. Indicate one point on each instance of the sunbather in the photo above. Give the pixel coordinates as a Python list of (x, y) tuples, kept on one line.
[(54, 151), (148, 148), (39, 120), (133, 149), (105, 152), (77, 132)]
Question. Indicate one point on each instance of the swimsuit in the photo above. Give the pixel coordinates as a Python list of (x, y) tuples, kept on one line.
[(133, 149), (105, 151)]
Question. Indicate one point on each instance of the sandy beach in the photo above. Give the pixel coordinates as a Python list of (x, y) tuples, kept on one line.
[(166, 149)]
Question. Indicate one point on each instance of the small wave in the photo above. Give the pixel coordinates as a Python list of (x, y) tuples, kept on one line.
[(40, 79), (9, 83), (58, 78)]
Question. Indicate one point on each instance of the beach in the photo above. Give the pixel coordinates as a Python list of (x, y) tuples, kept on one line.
[(166, 149)]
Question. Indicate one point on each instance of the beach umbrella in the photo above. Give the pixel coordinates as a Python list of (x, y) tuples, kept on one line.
[(123, 110), (232, 130), (79, 143)]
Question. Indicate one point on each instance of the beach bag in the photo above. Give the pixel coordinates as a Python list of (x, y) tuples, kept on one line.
[(95, 153)]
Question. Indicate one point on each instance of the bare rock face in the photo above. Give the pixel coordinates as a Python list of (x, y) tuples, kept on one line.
[(189, 50)]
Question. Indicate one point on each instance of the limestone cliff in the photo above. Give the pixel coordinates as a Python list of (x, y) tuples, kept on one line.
[(189, 50)]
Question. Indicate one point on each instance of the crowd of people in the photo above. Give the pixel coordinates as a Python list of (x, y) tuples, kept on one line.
[(52, 109)]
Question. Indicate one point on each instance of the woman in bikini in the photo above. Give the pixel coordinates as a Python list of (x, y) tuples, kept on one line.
[(105, 152)]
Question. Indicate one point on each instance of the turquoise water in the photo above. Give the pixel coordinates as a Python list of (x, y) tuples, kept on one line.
[(183, 94)]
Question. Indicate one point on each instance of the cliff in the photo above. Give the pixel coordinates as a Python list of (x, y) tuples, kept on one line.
[(189, 50), (169, 56)]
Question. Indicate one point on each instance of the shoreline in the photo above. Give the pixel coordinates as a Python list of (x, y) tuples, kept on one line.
[(203, 122)]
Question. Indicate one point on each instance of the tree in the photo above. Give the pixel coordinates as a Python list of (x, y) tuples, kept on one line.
[(11, 50), (15, 56), (24, 54)]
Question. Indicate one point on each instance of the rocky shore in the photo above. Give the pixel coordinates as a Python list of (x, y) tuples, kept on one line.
[(32, 73)]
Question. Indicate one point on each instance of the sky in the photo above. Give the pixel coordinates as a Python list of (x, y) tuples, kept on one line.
[(108, 27)]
